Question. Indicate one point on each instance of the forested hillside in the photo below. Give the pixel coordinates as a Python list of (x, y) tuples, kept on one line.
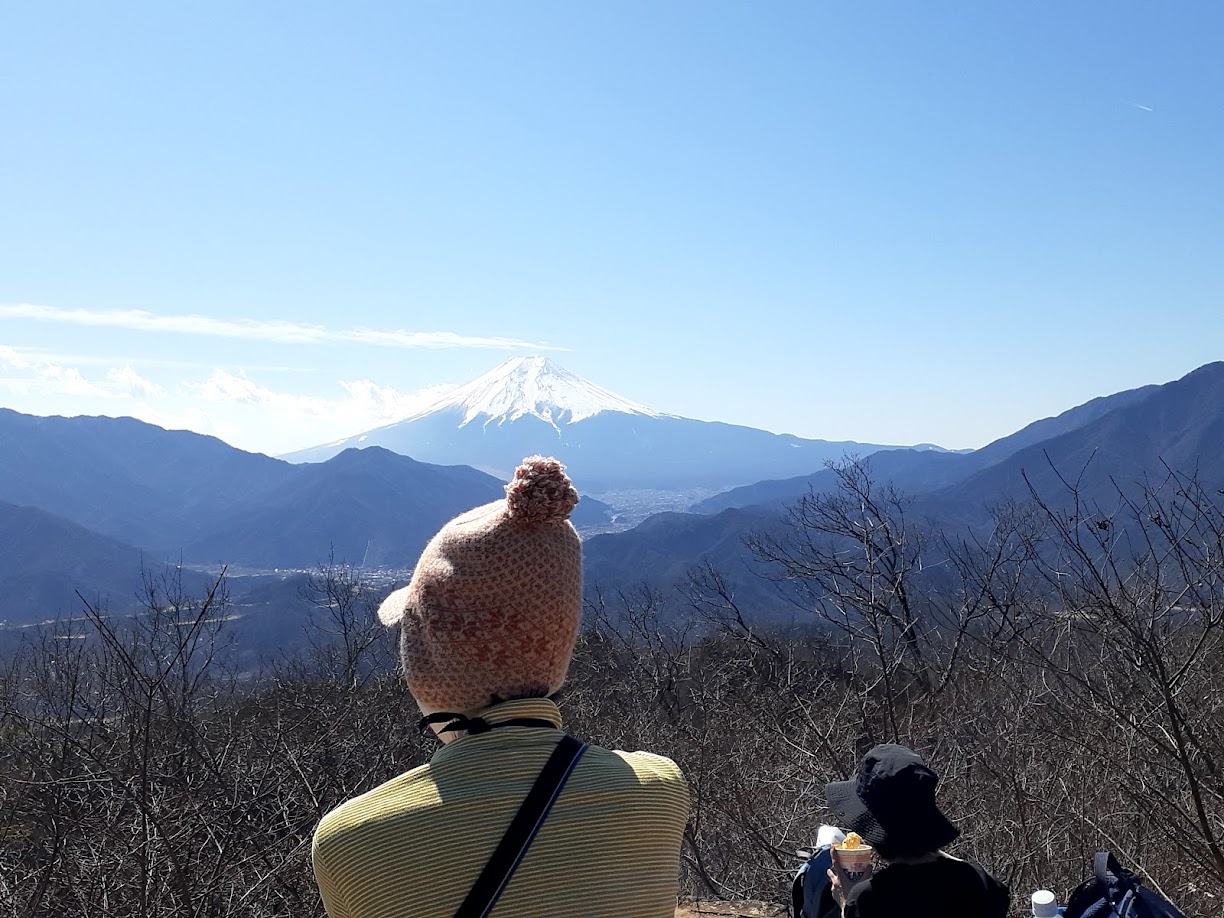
[(1063, 674)]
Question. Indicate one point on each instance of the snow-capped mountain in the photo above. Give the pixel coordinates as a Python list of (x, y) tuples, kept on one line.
[(532, 386), (532, 405)]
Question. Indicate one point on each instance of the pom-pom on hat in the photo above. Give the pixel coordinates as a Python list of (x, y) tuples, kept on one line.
[(493, 605)]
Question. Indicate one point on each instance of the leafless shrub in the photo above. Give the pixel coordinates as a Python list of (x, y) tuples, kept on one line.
[(1062, 670)]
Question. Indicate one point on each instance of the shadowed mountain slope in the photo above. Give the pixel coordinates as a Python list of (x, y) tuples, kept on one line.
[(172, 492), (126, 479), (929, 471), (47, 559), (1179, 425), (372, 507), (1118, 439)]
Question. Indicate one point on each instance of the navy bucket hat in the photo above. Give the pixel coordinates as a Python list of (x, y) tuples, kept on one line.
[(890, 802)]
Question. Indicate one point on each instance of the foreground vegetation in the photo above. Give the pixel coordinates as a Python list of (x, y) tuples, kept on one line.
[(1062, 671)]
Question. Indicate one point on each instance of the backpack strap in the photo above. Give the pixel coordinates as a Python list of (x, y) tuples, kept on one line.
[(1117, 884), (523, 828), (1101, 867), (797, 889)]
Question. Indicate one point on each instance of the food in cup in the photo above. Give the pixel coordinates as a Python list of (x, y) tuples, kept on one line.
[(853, 857)]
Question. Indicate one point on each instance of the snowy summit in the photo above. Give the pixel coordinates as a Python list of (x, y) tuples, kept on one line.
[(533, 386), (531, 405)]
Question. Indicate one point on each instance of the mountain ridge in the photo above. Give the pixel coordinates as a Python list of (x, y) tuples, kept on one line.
[(1109, 442), (165, 493), (925, 473), (532, 405), (179, 493)]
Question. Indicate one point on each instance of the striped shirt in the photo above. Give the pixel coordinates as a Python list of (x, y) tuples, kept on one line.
[(414, 846)]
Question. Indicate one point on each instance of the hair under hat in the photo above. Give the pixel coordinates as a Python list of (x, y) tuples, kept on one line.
[(493, 606)]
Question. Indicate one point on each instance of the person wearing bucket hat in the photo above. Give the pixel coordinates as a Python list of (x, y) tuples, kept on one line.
[(890, 803), (511, 816)]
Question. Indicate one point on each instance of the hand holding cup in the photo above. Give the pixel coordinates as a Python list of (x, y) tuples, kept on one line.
[(853, 859)]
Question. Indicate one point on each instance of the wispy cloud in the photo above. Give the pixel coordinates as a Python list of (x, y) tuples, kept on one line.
[(277, 422), (69, 381), (15, 358), (37, 373), (387, 404), (367, 403), (262, 330), (227, 404), (34, 356), (129, 382)]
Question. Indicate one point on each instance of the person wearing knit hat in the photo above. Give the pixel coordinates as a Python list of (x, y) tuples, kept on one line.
[(492, 609), (510, 817)]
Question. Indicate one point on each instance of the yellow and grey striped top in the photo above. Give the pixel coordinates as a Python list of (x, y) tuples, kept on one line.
[(411, 848)]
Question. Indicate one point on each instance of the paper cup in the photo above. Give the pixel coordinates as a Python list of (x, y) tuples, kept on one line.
[(855, 863)]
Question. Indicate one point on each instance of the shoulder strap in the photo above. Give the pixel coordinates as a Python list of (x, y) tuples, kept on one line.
[(1103, 869), (523, 828)]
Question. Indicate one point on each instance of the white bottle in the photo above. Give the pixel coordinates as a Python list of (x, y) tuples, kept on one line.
[(1045, 904)]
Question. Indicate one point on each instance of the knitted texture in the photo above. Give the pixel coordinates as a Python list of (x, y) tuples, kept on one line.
[(493, 605)]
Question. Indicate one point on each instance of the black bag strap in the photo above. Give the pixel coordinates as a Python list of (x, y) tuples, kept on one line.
[(1106, 875), (523, 828), (1116, 882)]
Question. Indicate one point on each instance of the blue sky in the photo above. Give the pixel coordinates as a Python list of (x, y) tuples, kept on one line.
[(283, 223)]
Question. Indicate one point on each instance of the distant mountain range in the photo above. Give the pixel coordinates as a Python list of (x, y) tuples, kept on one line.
[(531, 405), (86, 502), (111, 494), (1110, 442), (932, 471), (95, 498)]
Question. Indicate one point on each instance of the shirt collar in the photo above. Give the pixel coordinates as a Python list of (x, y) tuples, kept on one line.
[(531, 708), (534, 708)]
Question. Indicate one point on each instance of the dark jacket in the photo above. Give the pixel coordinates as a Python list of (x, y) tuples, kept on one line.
[(936, 888)]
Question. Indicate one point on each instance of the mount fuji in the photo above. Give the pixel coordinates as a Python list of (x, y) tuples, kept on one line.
[(531, 405)]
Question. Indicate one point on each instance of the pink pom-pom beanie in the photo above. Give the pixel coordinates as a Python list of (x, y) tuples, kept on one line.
[(493, 605)]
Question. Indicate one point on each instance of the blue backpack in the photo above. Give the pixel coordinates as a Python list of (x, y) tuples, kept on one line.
[(811, 896), (1115, 893)]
